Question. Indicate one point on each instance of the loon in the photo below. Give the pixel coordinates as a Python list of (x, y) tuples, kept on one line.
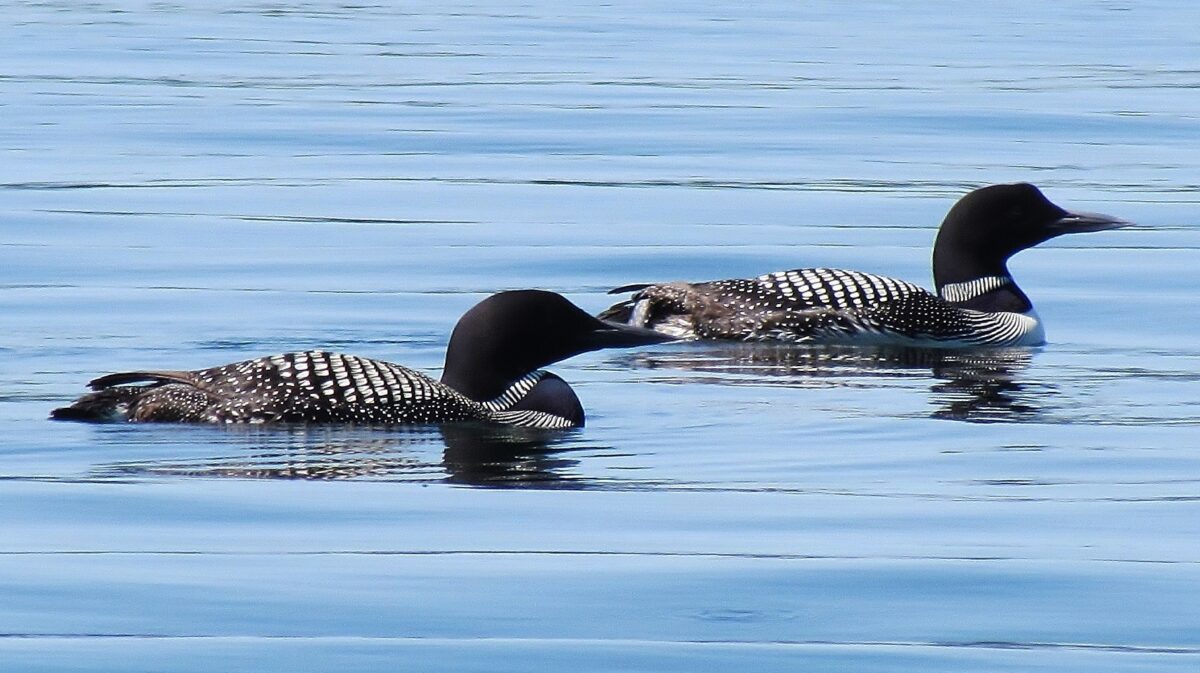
[(491, 374), (977, 302)]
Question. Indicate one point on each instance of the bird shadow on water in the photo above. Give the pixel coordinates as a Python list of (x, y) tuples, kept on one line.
[(979, 385), (470, 454)]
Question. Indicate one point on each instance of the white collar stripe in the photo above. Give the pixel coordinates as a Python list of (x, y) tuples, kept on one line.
[(966, 291)]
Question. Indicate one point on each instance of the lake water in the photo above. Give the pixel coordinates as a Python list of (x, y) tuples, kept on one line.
[(185, 185)]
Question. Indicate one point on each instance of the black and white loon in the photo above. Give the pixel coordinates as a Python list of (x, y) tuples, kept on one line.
[(491, 374), (977, 301)]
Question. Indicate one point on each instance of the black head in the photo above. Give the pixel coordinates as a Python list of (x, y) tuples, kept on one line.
[(510, 334), (993, 223)]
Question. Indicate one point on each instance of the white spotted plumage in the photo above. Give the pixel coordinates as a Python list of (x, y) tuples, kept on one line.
[(321, 387)]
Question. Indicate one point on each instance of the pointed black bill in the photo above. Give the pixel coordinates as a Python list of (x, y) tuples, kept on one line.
[(608, 334), (1079, 222)]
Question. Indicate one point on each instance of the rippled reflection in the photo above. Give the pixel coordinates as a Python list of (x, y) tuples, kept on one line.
[(471, 454), (986, 387), (977, 385)]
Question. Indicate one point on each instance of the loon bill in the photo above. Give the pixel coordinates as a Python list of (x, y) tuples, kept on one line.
[(977, 300), (492, 374)]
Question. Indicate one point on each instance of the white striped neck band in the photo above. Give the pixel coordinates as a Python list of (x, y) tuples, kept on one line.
[(515, 391), (966, 291)]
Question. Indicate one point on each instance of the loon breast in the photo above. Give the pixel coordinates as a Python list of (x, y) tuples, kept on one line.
[(303, 387), (820, 305)]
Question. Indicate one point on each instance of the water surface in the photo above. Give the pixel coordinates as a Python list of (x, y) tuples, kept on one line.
[(187, 186)]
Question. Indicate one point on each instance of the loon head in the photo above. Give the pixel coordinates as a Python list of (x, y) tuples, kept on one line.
[(511, 334), (991, 224)]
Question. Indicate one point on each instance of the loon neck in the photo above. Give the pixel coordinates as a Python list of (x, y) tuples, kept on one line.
[(480, 378), (974, 276)]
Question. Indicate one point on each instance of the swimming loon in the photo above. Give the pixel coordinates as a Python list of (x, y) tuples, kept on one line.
[(977, 301), (491, 374)]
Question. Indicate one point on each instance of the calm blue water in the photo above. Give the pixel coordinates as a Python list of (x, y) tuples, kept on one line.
[(188, 185)]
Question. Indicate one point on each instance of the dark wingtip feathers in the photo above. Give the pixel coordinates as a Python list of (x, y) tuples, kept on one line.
[(618, 313), (634, 287), (125, 378), (622, 312)]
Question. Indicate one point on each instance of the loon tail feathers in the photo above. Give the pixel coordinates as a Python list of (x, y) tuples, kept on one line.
[(111, 404), (115, 398)]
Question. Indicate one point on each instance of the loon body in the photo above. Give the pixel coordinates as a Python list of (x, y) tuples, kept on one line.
[(977, 301), (492, 374)]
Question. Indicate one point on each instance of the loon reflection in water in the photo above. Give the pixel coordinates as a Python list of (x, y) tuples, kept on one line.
[(977, 385), (473, 454)]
